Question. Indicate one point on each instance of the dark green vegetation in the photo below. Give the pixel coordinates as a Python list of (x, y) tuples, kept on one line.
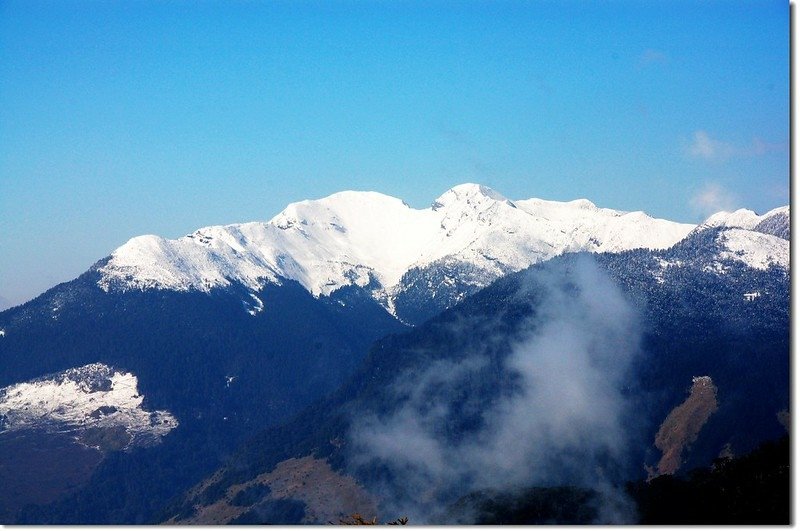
[(221, 371), (695, 321), (61, 465), (250, 495), (430, 290), (532, 506), (752, 489), (698, 323)]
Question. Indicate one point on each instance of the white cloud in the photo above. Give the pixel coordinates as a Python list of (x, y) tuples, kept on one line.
[(712, 198), (703, 146)]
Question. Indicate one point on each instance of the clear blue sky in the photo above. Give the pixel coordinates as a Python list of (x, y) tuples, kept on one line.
[(125, 118)]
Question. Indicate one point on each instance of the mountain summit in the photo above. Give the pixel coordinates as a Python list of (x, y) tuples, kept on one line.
[(470, 194), (373, 241)]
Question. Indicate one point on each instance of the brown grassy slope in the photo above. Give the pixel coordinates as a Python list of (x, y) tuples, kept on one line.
[(682, 426), (326, 494)]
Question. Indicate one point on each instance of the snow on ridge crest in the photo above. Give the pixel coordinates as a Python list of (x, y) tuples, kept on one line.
[(368, 238), (742, 218)]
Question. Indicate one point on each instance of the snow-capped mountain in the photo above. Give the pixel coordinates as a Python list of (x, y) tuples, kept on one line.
[(236, 328), (371, 240), (719, 248), (775, 222)]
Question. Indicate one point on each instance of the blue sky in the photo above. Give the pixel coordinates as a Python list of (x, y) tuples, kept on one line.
[(126, 118)]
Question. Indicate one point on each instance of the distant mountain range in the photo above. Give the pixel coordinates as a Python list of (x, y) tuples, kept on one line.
[(165, 357), (470, 236)]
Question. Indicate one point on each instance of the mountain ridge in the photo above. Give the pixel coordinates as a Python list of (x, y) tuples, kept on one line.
[(371, 240)]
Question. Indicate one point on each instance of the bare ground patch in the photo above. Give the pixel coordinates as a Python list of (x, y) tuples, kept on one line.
[(683, 424), (325, 494)]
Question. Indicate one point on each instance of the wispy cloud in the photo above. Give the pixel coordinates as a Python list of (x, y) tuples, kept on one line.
[(704, 146), (562, 418), (759, 147), (712, 198)]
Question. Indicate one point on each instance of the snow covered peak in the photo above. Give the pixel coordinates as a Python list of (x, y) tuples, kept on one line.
[(583, 204), (469, 194), (742, 218), (782, 210), (774, 222), (371, 240), (347, 201)]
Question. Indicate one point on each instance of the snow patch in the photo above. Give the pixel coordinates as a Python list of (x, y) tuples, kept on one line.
[(702, 380), (663, 265), (254, 308), (755, 249), (94, 395), (716, 268)]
